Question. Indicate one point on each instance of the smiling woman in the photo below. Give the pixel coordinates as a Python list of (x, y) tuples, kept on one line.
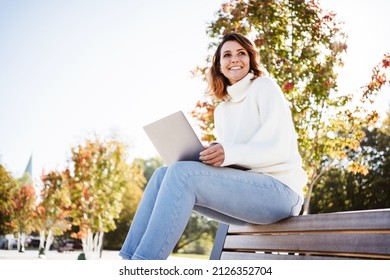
[(254, 129), (234, 61)]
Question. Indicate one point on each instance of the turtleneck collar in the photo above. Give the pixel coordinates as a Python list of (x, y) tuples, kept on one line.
[(238, 91)]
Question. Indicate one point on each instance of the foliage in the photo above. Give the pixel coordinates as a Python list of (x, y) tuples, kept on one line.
[(97, 178), (145, 169), (7, 185), (18, 202), (339, 190), (148, 166), (204, 116), (302, 47), (53, 209), (130, 200), (23, 202), (86, 198), (198, 229), (55, 203)]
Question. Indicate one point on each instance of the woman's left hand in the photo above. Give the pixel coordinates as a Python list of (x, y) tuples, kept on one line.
[(213, 155)]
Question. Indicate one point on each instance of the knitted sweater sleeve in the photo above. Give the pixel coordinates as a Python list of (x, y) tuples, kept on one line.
[(272, 144)]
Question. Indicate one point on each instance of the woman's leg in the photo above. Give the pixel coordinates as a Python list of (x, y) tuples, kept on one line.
[(244, 196), (142, 215)]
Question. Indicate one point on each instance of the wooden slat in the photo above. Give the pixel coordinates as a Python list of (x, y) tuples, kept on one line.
[(260, 256), (362, 234), (375, 244), (357, 220)]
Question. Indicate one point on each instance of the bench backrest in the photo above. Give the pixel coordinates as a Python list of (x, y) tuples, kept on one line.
[(356, 234)]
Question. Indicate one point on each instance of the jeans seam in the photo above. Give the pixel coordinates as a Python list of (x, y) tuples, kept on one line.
[(228, 177), (138, 257), (236, 179), (125, 255)]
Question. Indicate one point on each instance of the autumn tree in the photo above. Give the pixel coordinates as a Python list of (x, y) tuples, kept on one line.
[(339, 190), (7, 185), (302, 47), (23, 202), (97, 178), (53, 209), (130, 200)]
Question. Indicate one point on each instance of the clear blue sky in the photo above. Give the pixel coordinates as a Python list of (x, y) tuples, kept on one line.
[(71, 68)]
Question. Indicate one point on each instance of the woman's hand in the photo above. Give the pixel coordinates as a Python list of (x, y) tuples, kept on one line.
[(213, 155)]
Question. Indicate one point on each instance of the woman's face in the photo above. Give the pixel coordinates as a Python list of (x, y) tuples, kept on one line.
[(235, 61)]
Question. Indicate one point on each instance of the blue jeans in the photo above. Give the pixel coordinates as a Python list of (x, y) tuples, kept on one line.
[(224, 194)]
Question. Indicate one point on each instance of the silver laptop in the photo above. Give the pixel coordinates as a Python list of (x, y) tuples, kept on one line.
[(175, 140)]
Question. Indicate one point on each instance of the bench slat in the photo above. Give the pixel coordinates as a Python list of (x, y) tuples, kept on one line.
[(258, 256), (356, 234), (357, 220), (358, 244)]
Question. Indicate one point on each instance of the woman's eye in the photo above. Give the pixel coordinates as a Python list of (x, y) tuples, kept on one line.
[(242, 53), (226, 55)]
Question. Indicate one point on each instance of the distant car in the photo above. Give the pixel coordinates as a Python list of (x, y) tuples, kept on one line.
[(5, 241), (69, 245), (32, 241)]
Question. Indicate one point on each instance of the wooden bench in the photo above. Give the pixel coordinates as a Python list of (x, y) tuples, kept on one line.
[(343, 235)]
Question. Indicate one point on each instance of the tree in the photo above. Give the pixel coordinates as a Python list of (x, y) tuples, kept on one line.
[(97, 178), (198, 228), (53, 209), (130, 200), (302, 47), (148, 166), (7, 185), (339, 190), (23, 202)]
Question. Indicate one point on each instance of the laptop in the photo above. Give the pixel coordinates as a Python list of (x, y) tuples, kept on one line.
[(175, 139)]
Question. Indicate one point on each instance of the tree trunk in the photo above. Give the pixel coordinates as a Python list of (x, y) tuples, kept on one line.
[(306, 204), (49, 241), (41, 249), (316, 177), (92, 245), (45, 242), (21, 242)]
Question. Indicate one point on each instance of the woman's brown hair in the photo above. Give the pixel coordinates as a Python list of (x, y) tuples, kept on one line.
[(217, 82)]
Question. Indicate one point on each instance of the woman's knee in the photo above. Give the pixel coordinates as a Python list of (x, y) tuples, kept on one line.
[(160, 171), (182, 173), (184, 167)]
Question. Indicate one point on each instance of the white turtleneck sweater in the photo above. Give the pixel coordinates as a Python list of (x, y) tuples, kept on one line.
[(256, 130)]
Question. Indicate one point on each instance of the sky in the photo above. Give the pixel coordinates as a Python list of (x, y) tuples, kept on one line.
[(69, 69)]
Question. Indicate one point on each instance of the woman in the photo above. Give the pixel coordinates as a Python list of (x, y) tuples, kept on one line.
[(255, 129)]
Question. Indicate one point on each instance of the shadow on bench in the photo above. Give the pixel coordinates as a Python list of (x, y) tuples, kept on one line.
[(342, 235)]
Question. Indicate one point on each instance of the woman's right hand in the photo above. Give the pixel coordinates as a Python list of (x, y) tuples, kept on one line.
[(213, 155)]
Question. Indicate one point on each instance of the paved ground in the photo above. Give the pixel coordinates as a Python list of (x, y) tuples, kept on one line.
[(54, 255), (51, 255)]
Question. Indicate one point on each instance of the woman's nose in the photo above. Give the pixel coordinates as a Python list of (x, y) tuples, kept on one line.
[(234, 59)]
